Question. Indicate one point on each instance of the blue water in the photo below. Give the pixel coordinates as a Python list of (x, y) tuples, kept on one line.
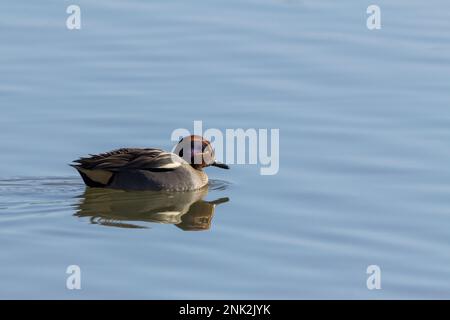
[(364, 120)]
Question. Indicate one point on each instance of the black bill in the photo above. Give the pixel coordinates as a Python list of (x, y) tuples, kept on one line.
[(220, 165)]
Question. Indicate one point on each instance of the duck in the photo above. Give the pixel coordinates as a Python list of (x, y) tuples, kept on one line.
[(151, 169)]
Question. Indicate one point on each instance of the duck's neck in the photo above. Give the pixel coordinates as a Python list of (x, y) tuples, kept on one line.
[(202, 175)]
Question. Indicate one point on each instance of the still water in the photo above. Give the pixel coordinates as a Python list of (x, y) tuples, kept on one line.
[(364, 119)]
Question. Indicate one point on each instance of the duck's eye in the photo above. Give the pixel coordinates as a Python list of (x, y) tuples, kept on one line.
[(206, 147), (181, 153)]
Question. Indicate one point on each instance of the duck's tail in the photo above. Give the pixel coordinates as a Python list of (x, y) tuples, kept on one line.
[(94, 178)]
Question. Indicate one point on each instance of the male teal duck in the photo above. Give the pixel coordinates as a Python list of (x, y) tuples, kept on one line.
[(150, 168)]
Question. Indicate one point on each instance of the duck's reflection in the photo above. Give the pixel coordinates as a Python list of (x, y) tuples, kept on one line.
[(186, 210)]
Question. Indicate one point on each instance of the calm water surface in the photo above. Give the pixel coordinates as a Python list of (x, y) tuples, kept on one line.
[(364, 119)]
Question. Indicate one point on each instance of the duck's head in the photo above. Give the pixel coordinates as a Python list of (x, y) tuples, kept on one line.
[(198, 152)]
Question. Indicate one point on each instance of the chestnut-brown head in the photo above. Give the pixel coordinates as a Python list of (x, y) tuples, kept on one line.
[(198, 152)]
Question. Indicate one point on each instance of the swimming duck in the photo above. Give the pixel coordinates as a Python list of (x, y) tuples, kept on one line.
[(150, 168)]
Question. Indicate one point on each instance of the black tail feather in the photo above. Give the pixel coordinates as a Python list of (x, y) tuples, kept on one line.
[(88, 181)]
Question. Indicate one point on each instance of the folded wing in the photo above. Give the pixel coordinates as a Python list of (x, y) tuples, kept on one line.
[(97, 170)]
